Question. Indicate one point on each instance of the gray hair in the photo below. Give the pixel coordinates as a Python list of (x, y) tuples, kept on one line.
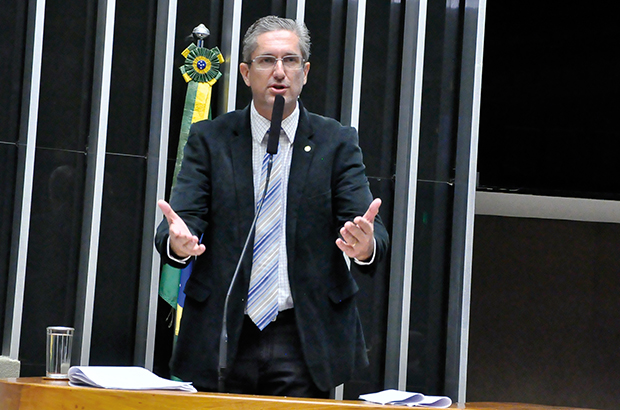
[(274, 23)]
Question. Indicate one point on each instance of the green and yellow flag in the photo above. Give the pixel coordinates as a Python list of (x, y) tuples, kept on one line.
[(201, 71)]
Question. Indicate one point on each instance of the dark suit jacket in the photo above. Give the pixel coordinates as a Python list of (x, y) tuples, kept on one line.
[(214, 195)]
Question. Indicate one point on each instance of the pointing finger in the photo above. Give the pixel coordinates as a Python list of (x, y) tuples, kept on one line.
[(167, 210), (373, 210)]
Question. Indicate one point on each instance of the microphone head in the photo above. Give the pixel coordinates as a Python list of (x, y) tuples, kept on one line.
[(276, 125)]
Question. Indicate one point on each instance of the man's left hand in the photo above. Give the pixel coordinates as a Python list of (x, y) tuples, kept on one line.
[(358, 236)]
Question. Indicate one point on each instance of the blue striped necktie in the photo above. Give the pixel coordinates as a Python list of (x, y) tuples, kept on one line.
[(263, 294)]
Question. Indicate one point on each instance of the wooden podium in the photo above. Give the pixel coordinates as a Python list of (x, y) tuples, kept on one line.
[(36, 393)]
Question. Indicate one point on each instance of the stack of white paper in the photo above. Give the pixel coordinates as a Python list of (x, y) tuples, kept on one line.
[(123, 378), (403, 398)]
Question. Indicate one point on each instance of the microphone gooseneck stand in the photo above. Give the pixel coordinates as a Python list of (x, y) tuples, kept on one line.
[(272, 149)]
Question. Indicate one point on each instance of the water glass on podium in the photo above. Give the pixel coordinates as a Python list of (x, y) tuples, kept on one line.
[(58, 352)]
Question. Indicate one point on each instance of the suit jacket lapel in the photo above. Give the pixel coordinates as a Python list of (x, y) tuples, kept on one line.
[(303, 153), (241, 153)]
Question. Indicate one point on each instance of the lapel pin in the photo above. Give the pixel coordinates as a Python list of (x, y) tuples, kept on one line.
[(307, 148)]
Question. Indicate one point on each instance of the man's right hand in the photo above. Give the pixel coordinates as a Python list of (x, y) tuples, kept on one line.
[(182, 242)]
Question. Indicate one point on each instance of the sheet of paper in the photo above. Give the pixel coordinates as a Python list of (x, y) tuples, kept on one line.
[(123, 378), (435, 401), (403, 398), (391, 396)]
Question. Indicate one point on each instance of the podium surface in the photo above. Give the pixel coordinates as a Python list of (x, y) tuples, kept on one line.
[(34, 393)]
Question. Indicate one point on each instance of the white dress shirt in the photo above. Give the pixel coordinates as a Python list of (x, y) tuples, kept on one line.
[(260, 125)]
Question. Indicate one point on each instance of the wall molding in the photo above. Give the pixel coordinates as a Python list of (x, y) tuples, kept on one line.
[(547, 207)]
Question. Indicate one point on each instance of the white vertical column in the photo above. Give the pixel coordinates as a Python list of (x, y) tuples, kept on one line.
[(353, 62), (163, 70), (352, 80), (464, 199), (24, 185), (397, 344), (296, 9), (93, 193), (231, 36)]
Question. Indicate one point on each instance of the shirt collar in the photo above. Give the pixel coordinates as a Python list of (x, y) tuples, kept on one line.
[(260, 125)]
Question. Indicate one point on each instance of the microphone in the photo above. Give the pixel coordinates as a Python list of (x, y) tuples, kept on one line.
[(272, 149), (276, 125)]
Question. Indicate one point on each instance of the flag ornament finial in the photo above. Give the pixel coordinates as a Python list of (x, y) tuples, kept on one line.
[(201, 64), (201, 32)]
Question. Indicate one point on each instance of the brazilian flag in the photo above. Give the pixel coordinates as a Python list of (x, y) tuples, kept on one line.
[(200, 71)]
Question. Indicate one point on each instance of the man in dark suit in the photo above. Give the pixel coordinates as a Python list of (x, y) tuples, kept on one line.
[(327, 223)]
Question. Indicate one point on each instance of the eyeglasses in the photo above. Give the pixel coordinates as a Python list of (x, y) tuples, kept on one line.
[(267, 62)]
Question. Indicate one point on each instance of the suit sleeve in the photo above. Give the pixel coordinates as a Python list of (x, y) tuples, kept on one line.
[(191, 195), (351, 192)]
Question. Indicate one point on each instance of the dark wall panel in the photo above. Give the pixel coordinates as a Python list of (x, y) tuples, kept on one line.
[(549, 100), (53, 252), (132, 76), (545, 312), (8, 164), (429, 287), (116, 291), (326, 21), (12, 45), (66, 75), (378, 119)]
